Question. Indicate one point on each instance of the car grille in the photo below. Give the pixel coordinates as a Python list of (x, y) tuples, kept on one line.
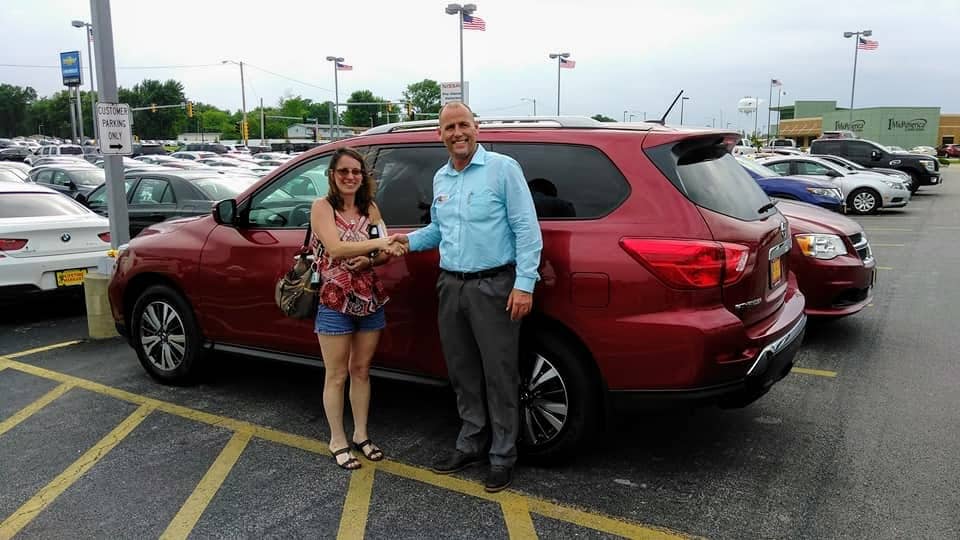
[(860, 243)]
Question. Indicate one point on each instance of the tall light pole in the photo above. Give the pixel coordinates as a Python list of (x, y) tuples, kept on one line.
[(336, 93), (460, 11), (625, 115), (93, 100), (559, 57), (684, 98), (856, 50), (534, 101), (243, 100)]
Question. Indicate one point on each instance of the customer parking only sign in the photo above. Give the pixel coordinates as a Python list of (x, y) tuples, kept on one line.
[(115, 133)]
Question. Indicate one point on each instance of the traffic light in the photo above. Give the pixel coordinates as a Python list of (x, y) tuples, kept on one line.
[(410, 110), (153, 107), (245, 131), (189, 109), (389, 107)]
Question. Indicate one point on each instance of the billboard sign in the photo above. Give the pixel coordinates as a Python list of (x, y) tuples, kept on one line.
[(70, 68), (450, 92)]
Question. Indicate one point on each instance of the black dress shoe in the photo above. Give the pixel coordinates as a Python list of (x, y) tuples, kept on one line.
[(457, 461), (499, 478)]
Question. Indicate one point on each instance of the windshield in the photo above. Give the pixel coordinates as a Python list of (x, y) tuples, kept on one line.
[(224, 187), (756, 168), (15, 205), (11, 175), (93, 177)]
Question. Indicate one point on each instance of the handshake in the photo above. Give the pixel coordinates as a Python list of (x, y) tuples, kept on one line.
[(396, 245)]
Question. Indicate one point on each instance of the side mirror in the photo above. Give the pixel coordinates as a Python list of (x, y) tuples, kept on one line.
[(82, 199), (225, 212), (72, 185), (833, 174)]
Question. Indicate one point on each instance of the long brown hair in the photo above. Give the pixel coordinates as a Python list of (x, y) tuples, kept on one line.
[(368, 186)]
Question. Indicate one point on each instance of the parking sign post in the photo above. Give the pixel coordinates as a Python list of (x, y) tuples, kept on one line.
[(107, 82)]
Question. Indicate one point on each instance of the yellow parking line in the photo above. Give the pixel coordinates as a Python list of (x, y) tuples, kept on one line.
[(30, 409), (549, 509), (41, 349), (29, 510), (185, 520), (817, 372), (516, 513), (601, 523), (356, 507)]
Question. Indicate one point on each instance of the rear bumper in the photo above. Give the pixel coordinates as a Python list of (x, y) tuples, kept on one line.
[(40, 273), (770, 365)]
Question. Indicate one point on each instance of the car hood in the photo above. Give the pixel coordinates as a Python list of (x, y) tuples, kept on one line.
[(807, 181), (807, 218), (914, 155)]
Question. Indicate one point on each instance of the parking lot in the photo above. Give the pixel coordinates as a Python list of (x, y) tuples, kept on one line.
[(859, 441)]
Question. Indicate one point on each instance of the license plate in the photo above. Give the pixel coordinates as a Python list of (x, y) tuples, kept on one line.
[(776, 271), (70, 278)]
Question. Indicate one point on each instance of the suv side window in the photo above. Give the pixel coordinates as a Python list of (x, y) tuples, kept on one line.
[(568, 181), (858, 150), (285, 203), (405, 183)]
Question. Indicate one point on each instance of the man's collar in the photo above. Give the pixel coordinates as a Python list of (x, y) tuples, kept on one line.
[(479, 158)]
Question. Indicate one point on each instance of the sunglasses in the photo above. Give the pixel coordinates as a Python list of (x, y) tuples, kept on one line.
[(348, 172)]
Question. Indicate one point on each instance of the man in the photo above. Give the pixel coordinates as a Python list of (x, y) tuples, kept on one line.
[(484, 222)]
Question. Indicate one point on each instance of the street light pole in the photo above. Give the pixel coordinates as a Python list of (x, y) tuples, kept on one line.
[(336, 94), (243, 99), (856, 50), (684, 98), (559, 57), (93, 101), (534, 104), (460, 11)]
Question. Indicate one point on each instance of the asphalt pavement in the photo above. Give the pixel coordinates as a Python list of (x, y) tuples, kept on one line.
[(861, 442)]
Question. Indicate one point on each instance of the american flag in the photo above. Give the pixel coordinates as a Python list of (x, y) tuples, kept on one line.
[(474, 23), (569, 64), (775, 82), (343, 67), (867, 44)]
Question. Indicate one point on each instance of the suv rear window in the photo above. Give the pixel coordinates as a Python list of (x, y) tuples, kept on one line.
[(568, 181), (710, 176), (71, 150)]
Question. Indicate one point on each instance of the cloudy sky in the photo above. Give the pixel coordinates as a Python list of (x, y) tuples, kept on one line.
[(631, 55)]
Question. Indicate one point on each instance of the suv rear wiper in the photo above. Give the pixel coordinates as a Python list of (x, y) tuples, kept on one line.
[(769, 206)]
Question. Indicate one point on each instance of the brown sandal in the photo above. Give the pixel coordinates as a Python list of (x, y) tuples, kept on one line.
[(351, 464), (373, 455)]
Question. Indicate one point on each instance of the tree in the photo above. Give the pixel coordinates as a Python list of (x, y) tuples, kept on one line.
[(163, 124), (364, 115), (423, 96), (602, 118), (14, 103)]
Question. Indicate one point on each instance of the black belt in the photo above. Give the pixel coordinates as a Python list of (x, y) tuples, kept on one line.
[(490, 272)]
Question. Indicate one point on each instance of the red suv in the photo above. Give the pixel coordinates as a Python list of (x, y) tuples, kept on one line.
[(665, 272)]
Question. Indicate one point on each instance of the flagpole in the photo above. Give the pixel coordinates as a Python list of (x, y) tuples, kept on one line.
[(769, 102), (559, 59), (853, 85), (463, 94), (779, 113)]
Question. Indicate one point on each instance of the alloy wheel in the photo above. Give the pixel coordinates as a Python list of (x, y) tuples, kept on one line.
[(162, 336), (864, 202), (544, 402)]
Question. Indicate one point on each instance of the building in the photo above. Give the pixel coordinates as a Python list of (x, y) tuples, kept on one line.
[(905, 127), (307, 131)]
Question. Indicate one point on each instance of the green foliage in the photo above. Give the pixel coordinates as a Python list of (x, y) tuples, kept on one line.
[(14, 102), (424, 97), (364, 115), (163, 124), (602, 118)]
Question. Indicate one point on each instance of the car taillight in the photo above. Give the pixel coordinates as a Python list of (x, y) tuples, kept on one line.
[(11, 244), (105, 236), (690, 264)]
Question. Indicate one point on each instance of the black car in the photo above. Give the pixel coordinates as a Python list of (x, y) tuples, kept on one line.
[(15, 153), (924, 170), (205, 147), (146, 149), (155, 196), (71, 181)]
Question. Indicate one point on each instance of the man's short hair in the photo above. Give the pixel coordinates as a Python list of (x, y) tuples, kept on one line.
[(458, 103)]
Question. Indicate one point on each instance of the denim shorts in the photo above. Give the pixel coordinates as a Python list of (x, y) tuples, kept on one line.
[(334, 323)]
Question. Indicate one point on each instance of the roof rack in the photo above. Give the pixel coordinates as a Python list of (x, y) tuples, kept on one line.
[(510, 121)]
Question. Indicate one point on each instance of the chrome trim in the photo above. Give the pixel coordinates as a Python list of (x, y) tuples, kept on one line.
[(780, 344), (778, 250)]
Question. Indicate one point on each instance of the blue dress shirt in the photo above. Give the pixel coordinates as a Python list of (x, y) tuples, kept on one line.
[(483, 217)]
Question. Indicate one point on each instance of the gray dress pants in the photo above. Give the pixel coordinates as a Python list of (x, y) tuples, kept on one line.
[(481, 347)]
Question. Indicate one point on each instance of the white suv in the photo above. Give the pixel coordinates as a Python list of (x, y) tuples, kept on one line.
[(67, 150)]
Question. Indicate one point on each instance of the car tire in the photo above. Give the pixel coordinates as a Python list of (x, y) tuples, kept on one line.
[(864, 201), (554, 379), (914, 182), (165, 335)]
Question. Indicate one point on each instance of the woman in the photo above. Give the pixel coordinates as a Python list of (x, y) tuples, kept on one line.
[(350, 313)]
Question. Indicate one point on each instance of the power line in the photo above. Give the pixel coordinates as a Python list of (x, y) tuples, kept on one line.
[(287, 78), (119, 67)]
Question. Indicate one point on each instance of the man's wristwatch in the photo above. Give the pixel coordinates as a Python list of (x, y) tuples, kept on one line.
[(372, 260)]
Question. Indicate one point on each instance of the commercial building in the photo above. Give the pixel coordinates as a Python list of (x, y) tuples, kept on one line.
[(905, 127)]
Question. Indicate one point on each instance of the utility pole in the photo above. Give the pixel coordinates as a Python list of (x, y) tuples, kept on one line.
[(73, 119), (856, 51), (262, 122), (107, 83)]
